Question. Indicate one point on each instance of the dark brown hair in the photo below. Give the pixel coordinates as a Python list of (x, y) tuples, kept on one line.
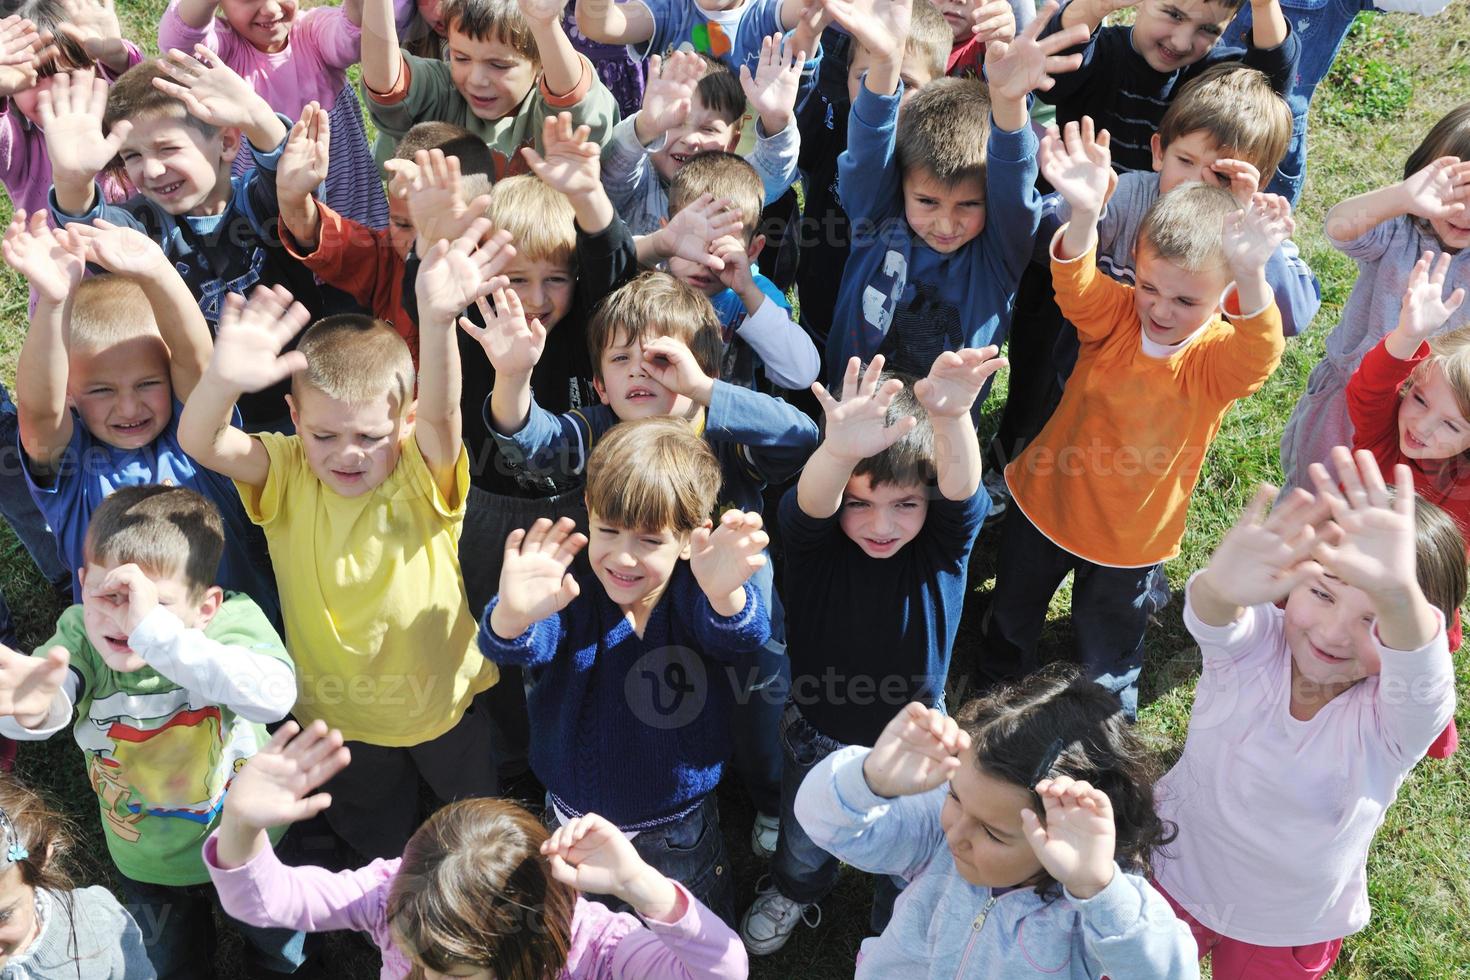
[(474, 891), (943, 130), (1015, 729), (163, 530), (1450, 137), (909, 461), (653, 474), (133, 97), (491, 20), (48, 16), (657, 305), (719, 91), (456, 141)]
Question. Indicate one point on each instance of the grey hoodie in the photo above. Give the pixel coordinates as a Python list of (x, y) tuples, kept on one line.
[(1127, 930), (97, 940)]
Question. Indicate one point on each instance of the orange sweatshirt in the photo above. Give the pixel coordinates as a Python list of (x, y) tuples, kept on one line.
[(1110, 476)]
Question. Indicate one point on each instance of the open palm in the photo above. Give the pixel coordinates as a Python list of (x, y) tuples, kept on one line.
[(723, 560), (28, 685), (250, 337), (534, 581), (1078, 164), (857, 427), (275, 787)]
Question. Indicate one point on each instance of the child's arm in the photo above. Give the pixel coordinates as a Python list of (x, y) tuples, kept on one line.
[(535, 583), (608, 22), (129, 252), (70, 113), (21, 49), (53, 262), (254, 685), (216, 96), (1079, 167), (561, 65), (1088, 13), (433, 189), (856, 427), (452, 276), (773, 94), (948, 394), (513, 347), (724, 559), (691, 232), (247, 357), (300, 171), (34, 700), (382, 61), (669, 94), (1440, 190), (1297, 291), (1268, 24), (196, 13), (1017, 68), (883, 28)]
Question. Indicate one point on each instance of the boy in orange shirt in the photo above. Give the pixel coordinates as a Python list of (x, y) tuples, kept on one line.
[(1104, 489)]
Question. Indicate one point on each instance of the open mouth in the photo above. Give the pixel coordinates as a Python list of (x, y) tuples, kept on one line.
[(1168, 55), (680, 158), (1413, 441), (347, 476), (880, 544), (168, 190), (117, 644), (1326, 657), (639, 394), (130, 428), (481, 101), (625, 580)]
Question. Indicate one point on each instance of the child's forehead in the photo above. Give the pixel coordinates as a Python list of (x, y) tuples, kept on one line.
[(490, 47), (160, 127), (1200, 12), (860, 485), (140, 354)]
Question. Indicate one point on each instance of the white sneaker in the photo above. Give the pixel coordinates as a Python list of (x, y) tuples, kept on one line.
[(772, 917), (764, 834)]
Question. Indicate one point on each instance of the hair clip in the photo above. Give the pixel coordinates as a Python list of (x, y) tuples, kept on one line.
[(17, 853), (15, 849), (1048, 759)]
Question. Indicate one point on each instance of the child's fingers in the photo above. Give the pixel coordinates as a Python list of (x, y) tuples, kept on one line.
[(513, 544), (1034, 831), (561, 870), (283, 735)]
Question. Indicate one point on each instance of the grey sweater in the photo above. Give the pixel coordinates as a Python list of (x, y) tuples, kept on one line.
[(85, 935)]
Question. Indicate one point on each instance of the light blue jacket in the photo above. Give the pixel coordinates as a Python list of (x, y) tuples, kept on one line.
[(1127, 930)]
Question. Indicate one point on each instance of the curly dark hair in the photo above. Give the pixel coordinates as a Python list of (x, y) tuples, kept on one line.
[(1015, 729)]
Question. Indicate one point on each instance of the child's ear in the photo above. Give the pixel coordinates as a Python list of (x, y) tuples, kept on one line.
[(735, 132), (229, 145), (1156, 145), (756, 244), (601, 390), (410, 417), (295, 415), (214, 596)]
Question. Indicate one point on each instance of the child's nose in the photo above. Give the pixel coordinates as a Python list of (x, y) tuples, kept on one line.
[(153, 168)]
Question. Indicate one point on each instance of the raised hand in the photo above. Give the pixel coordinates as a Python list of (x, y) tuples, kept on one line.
[(28, 685), (771, 92), (1241, 179), (455, 274), (1078, 164), (955, 380), (1370, 542), (513, 346), (1017, 68), (1440, 190), (917, 751), (1076, 844), (857, 427), (1251, 235), (690, 233), (672, 364), (543, 11), (93, 24), (248, 342), (21, 49), (118, 248), (881, 26), (572, 164), (669, 93), (1261, 559), (993, 20), (304, 161), (53, 261), (534, 581), (734, 258), (209, 88), (434, 192), (70, 113), (135, 592), (725, 558), (1425, 308)]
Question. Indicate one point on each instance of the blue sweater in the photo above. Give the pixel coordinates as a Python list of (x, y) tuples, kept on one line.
[(899, 297), (634, 728), (868, 635)]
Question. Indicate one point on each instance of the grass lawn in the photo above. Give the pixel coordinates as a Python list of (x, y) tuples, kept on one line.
[(1397, 75)]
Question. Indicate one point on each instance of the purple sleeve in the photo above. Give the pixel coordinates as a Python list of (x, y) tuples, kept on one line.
[(174, 33), (697, 945), (329, 37)]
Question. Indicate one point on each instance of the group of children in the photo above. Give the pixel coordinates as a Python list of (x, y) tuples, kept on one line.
[(448, 462)]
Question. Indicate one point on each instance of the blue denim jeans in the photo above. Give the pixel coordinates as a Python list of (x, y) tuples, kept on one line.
[(178, 930), (691, 851), (16, 504), (801, 870)]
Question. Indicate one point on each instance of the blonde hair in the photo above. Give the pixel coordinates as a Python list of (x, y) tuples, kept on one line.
[(1185, 226), (1237, 108), (943, 130), (539, 219), (723, 175), (1439, 557), (657, 305), (653, 474), (355, 358), (929, 37), (106, 311)]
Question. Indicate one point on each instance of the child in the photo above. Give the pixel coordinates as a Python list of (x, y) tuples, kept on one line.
[(1329, 24), (1409, 402), (102, 377), (971, 23), (693, 105), (172, 681), (419, 26), (1309, 715), (362, 510), (861, 535), (944, 196), (510, 66), (1384, 231), (480, 886), (176, 125), (826, 233), (665, 598), (1129, 74), (53, 929), (1046, 825), (293, 62), (755, 319), (1103, 490)]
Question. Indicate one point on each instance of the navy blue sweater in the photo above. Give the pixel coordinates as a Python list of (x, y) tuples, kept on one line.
[(636, 729)]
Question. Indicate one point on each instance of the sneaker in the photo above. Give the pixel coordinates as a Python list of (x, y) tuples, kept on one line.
[(1000, 494), (772, 917), (764, 834)]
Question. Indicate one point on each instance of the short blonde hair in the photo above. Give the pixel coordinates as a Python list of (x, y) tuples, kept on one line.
[(723, 175), (540, 220), (355, 358), (1186, 225), (943, 130), (106, 311), (929, 37), (1235, 106), (657, 305), (651, 475)]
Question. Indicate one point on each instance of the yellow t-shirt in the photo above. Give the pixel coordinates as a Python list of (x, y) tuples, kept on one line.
[(373, 597)]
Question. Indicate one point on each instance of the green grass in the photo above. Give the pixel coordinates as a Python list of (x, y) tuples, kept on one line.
[(1396, 76)]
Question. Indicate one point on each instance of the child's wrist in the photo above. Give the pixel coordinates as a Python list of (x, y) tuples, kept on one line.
[(1088, 886), (505, 624), (652, 895)]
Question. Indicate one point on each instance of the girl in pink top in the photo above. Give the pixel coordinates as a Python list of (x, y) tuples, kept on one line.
[(480, 891), (292, 60), (1307, 717)]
